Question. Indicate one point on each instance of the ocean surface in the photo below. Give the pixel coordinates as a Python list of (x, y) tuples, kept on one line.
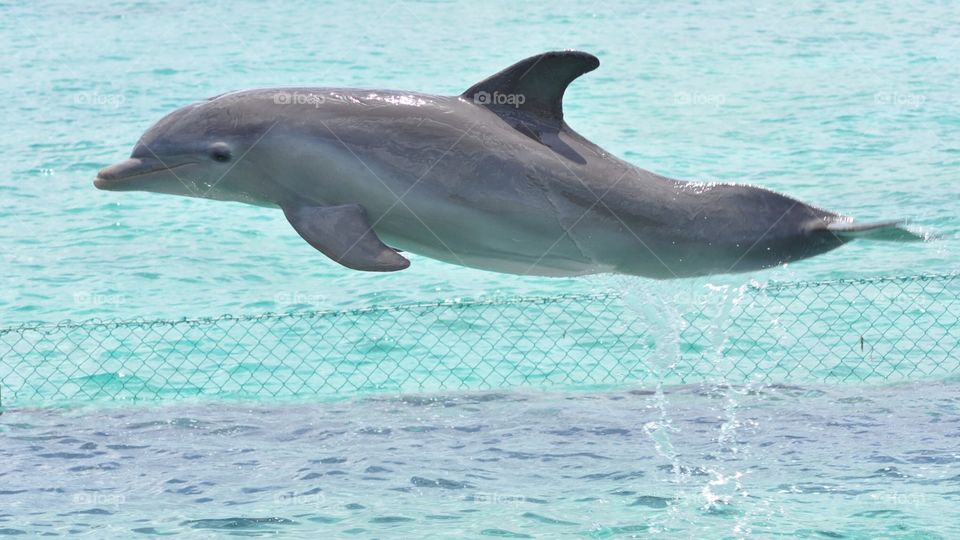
[(850, 106), (693, 462)]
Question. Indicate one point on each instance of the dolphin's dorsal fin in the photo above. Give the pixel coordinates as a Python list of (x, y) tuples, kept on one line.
[(534, 85)]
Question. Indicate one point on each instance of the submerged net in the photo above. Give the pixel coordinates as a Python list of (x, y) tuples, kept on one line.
[(880, 329)]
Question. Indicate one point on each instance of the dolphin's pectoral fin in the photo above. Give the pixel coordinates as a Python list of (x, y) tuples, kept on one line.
[(890, 231), (344, 234), (534, 85)]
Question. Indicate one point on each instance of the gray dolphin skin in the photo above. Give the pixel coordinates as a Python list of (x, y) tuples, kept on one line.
[(492, 179)]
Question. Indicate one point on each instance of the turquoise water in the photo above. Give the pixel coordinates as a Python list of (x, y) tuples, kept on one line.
[(848, 106), (794, 98)]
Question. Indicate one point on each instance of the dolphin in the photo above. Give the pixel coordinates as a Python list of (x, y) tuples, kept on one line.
[(491, 179)]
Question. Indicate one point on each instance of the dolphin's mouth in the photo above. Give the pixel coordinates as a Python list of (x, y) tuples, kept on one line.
[(115, 176)]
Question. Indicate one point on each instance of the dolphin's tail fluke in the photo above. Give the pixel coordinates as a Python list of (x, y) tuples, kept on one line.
[(887, 231)]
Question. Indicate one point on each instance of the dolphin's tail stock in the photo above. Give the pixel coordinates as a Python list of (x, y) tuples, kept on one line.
[(886, 231)]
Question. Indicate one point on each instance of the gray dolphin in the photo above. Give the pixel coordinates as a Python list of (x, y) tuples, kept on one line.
[(493, 179)]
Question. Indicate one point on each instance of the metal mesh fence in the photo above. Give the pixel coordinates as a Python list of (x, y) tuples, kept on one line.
[(880, 329)]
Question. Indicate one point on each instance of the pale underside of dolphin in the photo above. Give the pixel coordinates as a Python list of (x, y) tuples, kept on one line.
[(492, 179)]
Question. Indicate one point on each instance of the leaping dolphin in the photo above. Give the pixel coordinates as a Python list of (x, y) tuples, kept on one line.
[(493, 179)]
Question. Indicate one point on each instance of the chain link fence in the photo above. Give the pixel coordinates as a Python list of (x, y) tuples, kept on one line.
[(881, 329)]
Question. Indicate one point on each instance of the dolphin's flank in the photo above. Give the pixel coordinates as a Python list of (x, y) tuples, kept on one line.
[(492, 179)]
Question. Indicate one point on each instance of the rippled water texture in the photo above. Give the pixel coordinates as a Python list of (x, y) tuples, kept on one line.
[(844, 105), (706, 462)]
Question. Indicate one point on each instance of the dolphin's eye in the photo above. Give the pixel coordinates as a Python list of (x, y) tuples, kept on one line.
[(220, 152)]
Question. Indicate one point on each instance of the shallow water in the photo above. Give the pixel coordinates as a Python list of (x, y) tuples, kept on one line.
[(695, 462)]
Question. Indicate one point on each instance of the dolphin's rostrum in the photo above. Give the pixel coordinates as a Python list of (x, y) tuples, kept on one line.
[(492, 178)]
